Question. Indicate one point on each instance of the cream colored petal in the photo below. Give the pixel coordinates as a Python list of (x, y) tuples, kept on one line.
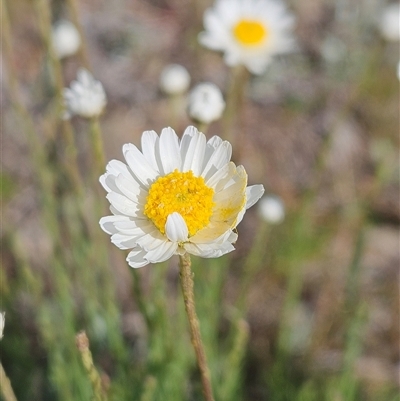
[(210, 233)]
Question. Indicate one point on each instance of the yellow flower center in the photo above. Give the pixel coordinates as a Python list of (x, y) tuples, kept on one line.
[(250, 33), (183, 193)]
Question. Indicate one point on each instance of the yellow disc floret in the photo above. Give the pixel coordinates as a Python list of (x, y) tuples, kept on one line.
[(250, 33), (182, 193)]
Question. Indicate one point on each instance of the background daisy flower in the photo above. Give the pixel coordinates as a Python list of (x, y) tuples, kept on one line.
[(249, 32), (85, 97), (176, 196)]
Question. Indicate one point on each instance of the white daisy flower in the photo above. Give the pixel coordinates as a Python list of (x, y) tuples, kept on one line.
[(65, 38), (174, 79), (2, 323), (85, 96), (249, 32), (176, 196), (206, 103)]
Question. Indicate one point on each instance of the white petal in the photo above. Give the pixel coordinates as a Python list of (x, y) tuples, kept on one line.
[(136, 258), (139, 165), (218, 159), (175, 228), (123, 241), (107, 180), (132, 228), (123, 204), (107, 223), (211, 145), (169, 151), (149, 143), (253, 194), (162, 253), (152, 240), (134, 192), (221, 177), (193, 146), (208, 251)]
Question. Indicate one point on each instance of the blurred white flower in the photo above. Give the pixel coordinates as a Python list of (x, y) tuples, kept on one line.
[(249, 32), (389, 23), (271, 209), (176, 196), (85, 96), (174, 79), (2, 322), (65, 38), (206, 103)]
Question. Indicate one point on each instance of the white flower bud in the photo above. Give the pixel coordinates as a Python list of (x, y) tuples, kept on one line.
[(389, 23), (206, 103), (65, 38), (85, 96), (271, 209), (174, 79), (2, 322)]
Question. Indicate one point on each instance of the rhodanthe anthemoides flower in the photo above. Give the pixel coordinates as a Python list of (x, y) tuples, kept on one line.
[(65, 39), (174, 79), (85, 97), (176, 196), (206, 103), (248, 32)]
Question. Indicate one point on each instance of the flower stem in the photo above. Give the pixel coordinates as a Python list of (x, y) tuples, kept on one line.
[(187, 285), (238, 80), (82, 342), (5, 386), (97, 144)]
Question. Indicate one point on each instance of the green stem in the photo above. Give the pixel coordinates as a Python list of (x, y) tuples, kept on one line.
[(97, 144), (187, 286), (43, 14), (75, 19), (234, 100)]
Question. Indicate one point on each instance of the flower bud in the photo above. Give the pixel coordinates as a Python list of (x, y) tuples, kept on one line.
[(65, 39), (389, 22), (206, 103), (174, 79), (85, 96), (271, 209)]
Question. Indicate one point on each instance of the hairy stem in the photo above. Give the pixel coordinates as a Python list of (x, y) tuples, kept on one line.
[(5, 386), (187, 285)]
